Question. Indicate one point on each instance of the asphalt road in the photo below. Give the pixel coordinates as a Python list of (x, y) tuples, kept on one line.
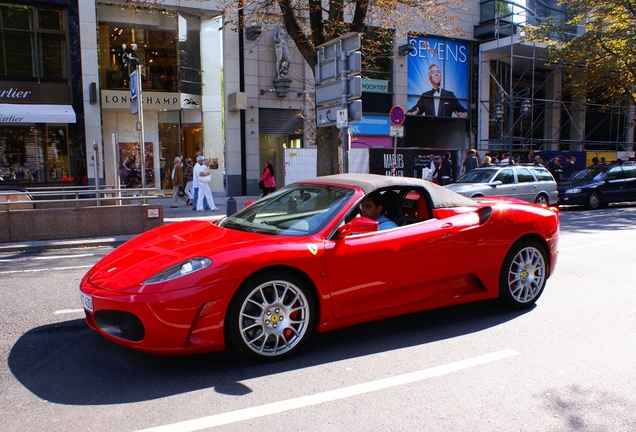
[(568, 364)]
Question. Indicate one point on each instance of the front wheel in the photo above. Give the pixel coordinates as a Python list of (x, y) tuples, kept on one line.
[(271, 317), (523, 275), (593, 201)]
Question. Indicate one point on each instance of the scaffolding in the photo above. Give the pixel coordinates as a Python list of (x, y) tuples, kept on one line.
[(513, 73)]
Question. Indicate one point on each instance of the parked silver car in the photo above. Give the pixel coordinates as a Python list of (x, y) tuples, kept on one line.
[(529, 183)]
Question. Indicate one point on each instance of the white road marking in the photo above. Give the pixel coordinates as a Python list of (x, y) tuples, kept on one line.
[(63, 256), (68, 311), (331, 395), (44, 269), (584, 246)]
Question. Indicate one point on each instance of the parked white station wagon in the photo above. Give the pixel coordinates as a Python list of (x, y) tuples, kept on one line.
[(529, 183)]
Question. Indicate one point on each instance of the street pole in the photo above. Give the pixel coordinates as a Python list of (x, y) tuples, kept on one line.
[(511, 102), (344, 104), (96, 166), (140, 126)]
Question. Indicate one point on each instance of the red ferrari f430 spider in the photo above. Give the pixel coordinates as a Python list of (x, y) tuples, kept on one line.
[(304, 259)]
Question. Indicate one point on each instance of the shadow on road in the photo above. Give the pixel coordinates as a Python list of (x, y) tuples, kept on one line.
[(615, 217), (66, 363)]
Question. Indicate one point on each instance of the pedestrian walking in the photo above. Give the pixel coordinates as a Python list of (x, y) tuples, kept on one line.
[(177, 183), (205, 193)]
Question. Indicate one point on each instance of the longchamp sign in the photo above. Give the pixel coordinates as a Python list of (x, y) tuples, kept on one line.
[(153, 101)]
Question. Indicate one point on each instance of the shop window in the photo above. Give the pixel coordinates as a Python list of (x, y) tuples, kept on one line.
[(57, 154), (34, 154), (33, 44)]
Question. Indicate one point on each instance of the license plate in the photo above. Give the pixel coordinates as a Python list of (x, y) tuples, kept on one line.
[(87, 301)]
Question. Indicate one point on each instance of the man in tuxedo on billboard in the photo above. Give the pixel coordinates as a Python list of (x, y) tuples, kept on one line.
[(438, 102)]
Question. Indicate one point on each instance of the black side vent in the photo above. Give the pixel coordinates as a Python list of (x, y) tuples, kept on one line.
[(484, 214)]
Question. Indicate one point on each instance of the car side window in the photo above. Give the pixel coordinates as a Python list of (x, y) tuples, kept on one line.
[(543, 175), (629, 171), (524, 175), (505, 177), (614, 173)]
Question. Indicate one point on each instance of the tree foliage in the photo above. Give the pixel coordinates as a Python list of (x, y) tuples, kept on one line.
[(311, 23), (594, 46)]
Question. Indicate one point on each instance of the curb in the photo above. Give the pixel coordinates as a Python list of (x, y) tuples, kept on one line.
[(181, 213)]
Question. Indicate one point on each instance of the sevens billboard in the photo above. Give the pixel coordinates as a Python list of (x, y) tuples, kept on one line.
[(442, 65)]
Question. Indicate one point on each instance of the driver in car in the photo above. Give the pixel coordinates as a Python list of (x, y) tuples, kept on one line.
[(373, 207)]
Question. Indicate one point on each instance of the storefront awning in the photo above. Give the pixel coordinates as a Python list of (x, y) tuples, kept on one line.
[(21, 113)]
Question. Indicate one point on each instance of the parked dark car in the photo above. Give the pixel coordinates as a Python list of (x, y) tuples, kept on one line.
[(598, 185)]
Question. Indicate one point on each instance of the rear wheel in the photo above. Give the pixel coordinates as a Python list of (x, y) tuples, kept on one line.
[(542, 199), (523, 275), (271, 317), (593, 201)]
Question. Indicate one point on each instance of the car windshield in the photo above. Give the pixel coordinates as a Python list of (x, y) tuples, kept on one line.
[(590, 173), (296, 210), (477, 176)]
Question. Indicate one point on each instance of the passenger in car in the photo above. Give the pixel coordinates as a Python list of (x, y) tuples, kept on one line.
[(373, 207)]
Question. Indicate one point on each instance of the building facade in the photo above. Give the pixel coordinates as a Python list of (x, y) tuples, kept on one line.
[(68, 114), (41, 119)]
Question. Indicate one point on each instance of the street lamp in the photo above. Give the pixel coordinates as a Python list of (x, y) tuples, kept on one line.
[(130, 64), (129, 60), (498, 112), (526, 108)]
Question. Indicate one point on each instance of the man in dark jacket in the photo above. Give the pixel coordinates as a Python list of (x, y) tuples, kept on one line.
[(446, 170)]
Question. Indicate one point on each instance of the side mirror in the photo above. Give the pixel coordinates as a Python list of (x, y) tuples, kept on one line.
[(495, 183), (357, 225)]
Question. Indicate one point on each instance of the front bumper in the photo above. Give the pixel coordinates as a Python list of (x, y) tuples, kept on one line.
[(572, 199), (177, 322)]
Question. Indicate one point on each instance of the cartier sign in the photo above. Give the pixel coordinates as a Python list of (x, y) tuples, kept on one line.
[(35, 93)]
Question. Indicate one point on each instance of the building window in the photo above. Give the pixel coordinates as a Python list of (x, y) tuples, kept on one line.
[(155, 49), (295, 142), (33, 44)]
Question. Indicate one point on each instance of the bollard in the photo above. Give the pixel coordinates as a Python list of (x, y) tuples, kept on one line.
[(231, 206)]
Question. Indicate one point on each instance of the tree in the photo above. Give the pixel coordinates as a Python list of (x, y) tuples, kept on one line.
[(594, 46), (311, 23)]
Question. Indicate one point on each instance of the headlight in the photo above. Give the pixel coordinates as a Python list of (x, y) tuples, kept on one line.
[(182, 269), (573, 191)]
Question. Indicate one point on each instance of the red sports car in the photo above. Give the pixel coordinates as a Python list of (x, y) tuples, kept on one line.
[(303, 259)]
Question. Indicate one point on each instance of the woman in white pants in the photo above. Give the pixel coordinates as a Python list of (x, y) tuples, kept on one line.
[(204, 187)]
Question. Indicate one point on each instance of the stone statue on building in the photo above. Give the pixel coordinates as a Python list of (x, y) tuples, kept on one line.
[(283, 57)]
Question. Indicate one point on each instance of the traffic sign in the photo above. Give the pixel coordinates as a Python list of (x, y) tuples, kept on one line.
[(332, 68), (332, 91), (134, 91), (396, 131), (328, 115), (332, 49), (343, 118), (397, 115)]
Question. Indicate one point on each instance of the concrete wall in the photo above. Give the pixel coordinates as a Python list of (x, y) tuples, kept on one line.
[(77, 222)]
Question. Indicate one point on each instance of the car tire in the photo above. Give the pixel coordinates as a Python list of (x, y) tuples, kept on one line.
[(542, 199), (593, 201), (271, 317), (523, 275)]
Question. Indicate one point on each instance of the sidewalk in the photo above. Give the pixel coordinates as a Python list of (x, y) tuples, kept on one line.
[(181, 213)]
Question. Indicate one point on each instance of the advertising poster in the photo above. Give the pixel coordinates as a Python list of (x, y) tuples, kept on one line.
[(438, 77), (130, 164)]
